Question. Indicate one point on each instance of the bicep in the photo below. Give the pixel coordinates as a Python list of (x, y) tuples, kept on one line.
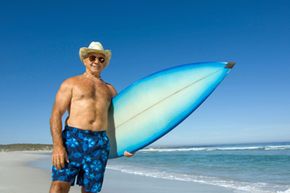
[(62, 98)]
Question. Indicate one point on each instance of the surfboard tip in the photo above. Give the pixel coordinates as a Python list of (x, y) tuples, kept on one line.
[(230, 65)]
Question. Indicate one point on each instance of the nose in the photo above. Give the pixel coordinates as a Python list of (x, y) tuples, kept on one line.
[(96, 60)]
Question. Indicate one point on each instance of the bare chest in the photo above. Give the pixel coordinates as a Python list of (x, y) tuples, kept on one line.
[(93, 91)]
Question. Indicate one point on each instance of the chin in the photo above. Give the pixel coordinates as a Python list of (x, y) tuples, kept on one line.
[(96, 70)]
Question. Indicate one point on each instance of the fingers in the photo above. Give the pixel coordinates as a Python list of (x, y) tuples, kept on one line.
[(127, 154), (66, 158), (58, 163), (61, 161), (58, 160)]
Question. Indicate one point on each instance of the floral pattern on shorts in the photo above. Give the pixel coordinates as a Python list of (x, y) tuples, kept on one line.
[(88, 153)]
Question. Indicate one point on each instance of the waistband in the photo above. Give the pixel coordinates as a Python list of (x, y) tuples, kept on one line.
[(77, 130)]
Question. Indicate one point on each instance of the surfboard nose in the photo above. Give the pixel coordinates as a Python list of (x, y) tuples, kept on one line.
[(230, 65)]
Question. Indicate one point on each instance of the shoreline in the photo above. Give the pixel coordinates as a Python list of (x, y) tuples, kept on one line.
[(17, 174)]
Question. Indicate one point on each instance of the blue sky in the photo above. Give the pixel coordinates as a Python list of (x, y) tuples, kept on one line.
[(40, 43)]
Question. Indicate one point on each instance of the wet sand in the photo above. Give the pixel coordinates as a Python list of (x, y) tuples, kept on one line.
[(17, 175)]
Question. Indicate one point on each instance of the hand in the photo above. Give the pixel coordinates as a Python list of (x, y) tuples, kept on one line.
[(127, 154), (59, 157)]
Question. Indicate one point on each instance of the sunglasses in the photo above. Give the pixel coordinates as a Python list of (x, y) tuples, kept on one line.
[(92, 58)]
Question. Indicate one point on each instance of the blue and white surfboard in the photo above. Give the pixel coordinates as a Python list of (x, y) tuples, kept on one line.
[(152, 106)]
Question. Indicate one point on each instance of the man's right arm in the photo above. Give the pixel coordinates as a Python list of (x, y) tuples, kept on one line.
[(61, 104)]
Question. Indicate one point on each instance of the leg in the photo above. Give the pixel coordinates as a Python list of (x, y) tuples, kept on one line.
[(63, 179), (94, 163), (59, 187), (83, 190)]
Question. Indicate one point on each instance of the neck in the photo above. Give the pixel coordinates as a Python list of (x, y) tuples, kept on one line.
[(92, 76)]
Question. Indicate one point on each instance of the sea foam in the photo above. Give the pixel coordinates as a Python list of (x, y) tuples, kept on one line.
[(236, 186), (221, 148)]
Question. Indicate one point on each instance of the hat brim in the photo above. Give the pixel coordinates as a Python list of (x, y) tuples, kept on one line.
[(85, 51)]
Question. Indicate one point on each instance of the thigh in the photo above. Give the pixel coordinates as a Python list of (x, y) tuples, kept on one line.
[(72, 168), (99, 153), (94, 164)]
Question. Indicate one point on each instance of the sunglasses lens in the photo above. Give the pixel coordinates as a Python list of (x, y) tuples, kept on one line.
[(101, 59), (92, 58)]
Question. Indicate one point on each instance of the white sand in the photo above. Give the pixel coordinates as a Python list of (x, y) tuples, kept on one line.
[(17, 176)]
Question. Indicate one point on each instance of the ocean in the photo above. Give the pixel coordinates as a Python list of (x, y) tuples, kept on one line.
[(244, 168)]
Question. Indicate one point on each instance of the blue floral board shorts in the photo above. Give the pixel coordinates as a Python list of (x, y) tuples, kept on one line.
[(88, 153)]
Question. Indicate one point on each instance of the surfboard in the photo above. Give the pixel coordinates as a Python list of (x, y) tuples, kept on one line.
[(152, 106)]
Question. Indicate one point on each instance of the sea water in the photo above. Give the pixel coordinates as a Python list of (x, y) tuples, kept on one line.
[(248, 168)]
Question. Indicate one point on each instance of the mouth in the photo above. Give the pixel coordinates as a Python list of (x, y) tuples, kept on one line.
[(95, 66)]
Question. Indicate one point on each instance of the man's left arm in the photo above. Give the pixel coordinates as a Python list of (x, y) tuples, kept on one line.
[(114, 93), (112, 89)]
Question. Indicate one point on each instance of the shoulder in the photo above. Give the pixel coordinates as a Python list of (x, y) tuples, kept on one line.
[(70, 82), (73, 80), (112, 89)]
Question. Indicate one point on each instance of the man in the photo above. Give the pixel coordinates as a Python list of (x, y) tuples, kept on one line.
[(82, 148)]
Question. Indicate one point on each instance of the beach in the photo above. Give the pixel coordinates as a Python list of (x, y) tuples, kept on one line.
[(17, 174), (234, 168)]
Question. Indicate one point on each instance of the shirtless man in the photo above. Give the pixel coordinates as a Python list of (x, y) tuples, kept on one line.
[(82, 148)]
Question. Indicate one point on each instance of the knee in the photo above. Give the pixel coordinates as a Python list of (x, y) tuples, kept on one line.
[(59, 187)]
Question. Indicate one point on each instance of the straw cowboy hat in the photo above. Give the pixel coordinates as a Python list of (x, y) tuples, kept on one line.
[(95, 47)]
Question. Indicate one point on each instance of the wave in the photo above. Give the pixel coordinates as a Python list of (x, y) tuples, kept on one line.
[(219, 148), (236, 186), (286, 191)]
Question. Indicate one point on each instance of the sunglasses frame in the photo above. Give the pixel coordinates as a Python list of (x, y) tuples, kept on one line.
[(95, 57)]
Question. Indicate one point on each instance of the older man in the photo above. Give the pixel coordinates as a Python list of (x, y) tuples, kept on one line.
[(82, 148)]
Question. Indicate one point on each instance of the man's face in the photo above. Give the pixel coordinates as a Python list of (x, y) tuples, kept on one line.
[(95, 62)]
